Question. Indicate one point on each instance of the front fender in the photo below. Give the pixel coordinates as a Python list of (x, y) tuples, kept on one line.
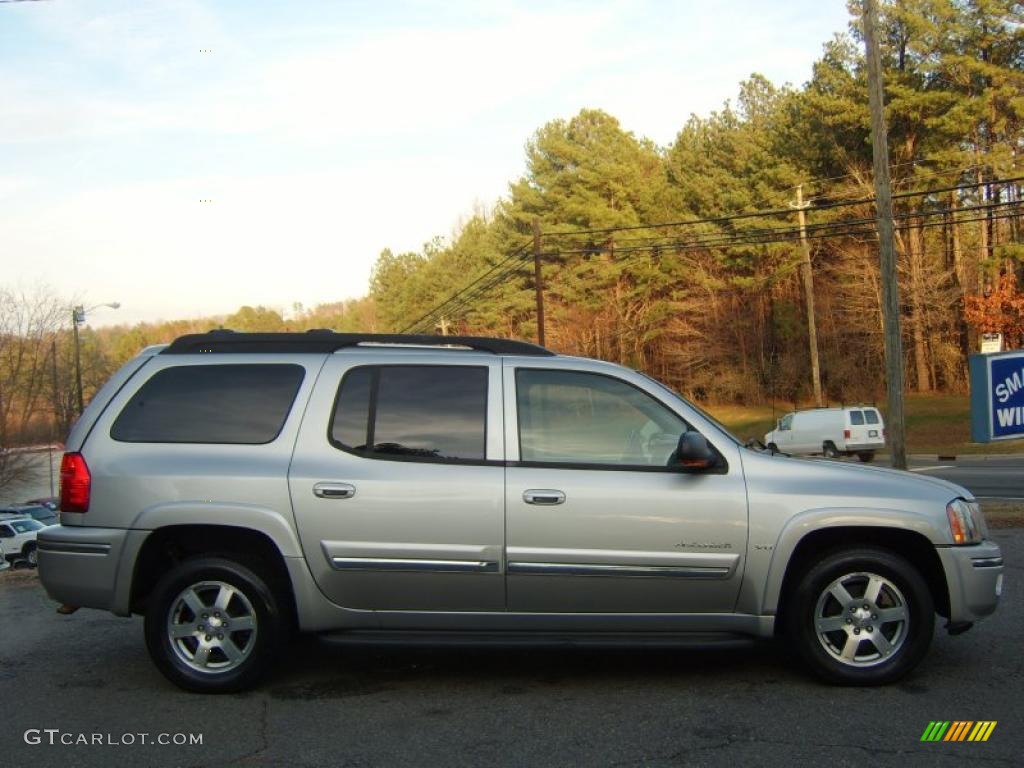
[(812, 520)]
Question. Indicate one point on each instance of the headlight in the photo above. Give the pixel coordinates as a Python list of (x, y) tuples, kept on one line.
[(964, 521)]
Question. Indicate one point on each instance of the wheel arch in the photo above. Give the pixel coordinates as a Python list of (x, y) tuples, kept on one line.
[(171, 544), (802, 551)]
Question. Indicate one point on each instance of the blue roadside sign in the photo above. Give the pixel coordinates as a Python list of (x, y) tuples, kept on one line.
[(997, 396)]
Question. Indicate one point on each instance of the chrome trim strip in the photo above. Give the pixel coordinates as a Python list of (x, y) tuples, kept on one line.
[(413, 564), (640, 571), (77, 548), (987, 562)]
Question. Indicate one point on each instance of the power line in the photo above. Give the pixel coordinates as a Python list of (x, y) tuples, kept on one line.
[(776, 211), (442, 305), (464, 298), (867, 229), (458, 302), (768, 235)]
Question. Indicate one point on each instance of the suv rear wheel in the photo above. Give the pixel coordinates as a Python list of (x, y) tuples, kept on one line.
[(214, 625), (861, 617)]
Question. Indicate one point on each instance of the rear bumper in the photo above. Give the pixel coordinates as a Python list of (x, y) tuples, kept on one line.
[(974, 575), (857, 447), (79, 566)]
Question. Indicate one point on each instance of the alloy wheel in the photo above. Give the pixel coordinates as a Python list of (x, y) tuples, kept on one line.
[(211, 627), (862, 619)]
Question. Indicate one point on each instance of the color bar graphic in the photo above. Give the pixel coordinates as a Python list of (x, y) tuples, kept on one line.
[(958, 730)]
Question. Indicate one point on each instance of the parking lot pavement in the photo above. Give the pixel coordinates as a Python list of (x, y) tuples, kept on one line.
[(89, 674)]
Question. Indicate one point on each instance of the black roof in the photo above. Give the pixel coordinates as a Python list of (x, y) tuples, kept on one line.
[(328, 341)]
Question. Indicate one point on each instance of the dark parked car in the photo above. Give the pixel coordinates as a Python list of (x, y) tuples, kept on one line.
[(47, 501), (40, 512)]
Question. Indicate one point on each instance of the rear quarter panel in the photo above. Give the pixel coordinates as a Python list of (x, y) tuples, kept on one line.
[(149, 485)]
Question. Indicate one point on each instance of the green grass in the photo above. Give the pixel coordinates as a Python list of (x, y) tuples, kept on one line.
[(939, 424)]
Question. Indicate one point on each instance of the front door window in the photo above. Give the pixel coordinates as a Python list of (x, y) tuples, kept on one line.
[(578, 418)]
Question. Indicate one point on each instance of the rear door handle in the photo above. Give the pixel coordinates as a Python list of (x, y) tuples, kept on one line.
[(334, 490), (543, 497)]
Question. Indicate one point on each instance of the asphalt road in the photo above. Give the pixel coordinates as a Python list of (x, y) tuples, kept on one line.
[(985, 476), (332, 705)]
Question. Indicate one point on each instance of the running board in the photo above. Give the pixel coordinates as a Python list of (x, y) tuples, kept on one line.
[(452, 639)]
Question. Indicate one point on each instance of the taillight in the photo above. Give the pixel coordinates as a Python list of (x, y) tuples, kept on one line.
[(846, 434), (75, 483)]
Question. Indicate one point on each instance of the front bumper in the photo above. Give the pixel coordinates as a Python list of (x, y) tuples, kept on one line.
[(974, 574), (78, 565)]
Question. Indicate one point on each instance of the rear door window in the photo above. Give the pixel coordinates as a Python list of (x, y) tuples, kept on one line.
[(234, 404), (871, 416), (413, 412), (857, 418)]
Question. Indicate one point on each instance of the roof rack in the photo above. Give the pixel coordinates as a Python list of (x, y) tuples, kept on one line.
[(320, 340)]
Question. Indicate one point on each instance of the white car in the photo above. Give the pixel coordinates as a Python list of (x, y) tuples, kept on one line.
[(831, 432), (18, 538)]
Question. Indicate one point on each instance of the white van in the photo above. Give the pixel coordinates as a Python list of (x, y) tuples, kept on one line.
[(832, 432)]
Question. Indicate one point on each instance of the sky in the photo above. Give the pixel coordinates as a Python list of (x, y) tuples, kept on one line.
[(185, 158)]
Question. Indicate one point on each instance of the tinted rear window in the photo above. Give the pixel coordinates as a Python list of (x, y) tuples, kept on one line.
[(871, 417), (419, 412), (237, 404), (856, 417)]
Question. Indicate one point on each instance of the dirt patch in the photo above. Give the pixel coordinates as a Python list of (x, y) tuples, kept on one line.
[(19, 576), (1003, 514)]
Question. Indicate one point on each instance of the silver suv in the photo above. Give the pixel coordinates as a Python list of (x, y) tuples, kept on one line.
[(235, 487)]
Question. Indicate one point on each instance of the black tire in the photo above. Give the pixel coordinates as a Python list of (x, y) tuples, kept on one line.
[(773, 448), (31, 554), (270, 620), (866, 456), (909, 639), (829, 451)]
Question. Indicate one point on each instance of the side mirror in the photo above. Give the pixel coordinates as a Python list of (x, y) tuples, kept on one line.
[(693, 451)]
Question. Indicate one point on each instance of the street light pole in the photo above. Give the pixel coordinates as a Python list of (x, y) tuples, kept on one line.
[(77, 318)]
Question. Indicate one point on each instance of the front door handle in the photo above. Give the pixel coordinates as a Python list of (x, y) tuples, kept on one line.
[(334, 490), (544, 497)]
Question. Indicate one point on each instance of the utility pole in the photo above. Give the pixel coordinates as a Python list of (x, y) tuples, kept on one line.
[(56, 407), (808, 281), (537, 281), (886, 245)]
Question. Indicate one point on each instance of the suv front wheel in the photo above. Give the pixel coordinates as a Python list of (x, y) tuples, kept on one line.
[(213, 625), (861, 617)]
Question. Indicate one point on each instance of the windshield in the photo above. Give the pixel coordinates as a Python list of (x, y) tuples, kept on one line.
[(24, 526), (714, 422)]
